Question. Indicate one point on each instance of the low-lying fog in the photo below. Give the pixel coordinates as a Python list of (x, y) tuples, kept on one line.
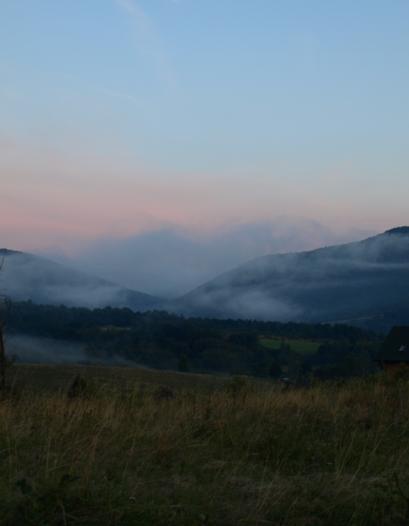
[(29, 349)]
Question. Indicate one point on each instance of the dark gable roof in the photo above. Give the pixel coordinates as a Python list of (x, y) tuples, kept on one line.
[(396, 346)]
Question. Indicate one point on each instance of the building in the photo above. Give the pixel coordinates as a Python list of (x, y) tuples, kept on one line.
[(394, 354)]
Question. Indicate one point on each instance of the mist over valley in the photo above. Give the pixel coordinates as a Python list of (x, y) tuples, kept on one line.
[(171, 261), (29, 277), (360, 282)]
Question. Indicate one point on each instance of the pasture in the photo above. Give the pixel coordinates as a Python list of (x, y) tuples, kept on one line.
[(299, 345), (141, 447)]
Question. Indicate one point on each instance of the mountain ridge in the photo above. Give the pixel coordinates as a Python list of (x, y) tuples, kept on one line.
[(32, 277), (359, 280), (355, 282)]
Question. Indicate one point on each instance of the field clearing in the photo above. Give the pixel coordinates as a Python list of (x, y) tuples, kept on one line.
[(57, 378), (300, 346), (219, 451)]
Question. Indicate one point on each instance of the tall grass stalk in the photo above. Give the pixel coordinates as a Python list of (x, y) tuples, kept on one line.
[(330, 454)]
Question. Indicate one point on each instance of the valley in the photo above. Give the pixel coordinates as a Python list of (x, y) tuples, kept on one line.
[(360, 283)]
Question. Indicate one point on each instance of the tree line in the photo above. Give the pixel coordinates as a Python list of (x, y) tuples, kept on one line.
[(169, 341)]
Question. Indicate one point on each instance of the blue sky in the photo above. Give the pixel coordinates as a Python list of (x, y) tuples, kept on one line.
[(122, 115)]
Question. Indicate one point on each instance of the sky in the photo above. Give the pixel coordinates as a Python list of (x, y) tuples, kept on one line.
[(120, 117)]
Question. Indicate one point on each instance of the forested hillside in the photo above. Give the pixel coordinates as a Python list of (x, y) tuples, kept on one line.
[(364, 283), (167, 341)]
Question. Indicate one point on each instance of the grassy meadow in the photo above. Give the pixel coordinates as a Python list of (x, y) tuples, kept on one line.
[(141, 447), (298, 345)]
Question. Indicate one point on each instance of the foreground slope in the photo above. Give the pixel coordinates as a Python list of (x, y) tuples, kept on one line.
[(133, 449), (351, 283), (28, 277)]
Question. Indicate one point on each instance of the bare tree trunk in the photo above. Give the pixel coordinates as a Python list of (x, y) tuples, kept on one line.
[(2, 362)]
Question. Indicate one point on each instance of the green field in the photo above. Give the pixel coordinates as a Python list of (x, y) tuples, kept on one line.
[(141, 447), (300, 346)]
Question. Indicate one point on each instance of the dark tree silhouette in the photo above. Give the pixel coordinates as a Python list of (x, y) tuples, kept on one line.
[(2, 359), (4, 304)]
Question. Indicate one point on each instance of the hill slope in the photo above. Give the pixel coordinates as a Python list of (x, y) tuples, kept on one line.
[(28, 277), (137, 447), (351, 283)]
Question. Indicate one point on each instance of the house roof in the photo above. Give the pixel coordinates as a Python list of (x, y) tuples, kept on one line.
[(396, 346)]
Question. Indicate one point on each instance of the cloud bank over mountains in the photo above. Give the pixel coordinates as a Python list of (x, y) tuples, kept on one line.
[(28, 277), (361, 282), (171, 261)]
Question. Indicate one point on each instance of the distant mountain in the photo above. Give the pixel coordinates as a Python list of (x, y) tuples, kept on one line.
[(172, 261), (28, 277), (365, 282)]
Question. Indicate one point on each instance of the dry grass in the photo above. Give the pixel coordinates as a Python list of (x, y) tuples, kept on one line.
[(239, 454)]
